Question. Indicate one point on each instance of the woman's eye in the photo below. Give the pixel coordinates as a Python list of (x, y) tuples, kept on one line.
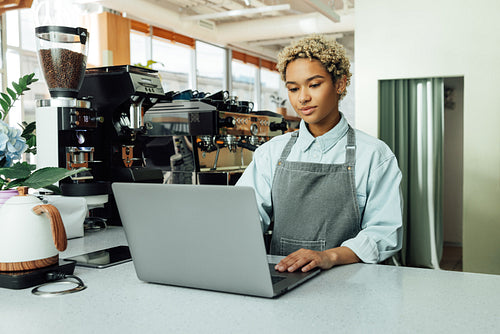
[(314, 85), (293, 89)]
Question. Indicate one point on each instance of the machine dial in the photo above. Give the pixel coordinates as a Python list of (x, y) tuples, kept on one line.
[(254, 129)]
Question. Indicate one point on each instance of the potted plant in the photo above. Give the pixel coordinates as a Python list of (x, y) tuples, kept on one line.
[(280, 104), (14, 142)]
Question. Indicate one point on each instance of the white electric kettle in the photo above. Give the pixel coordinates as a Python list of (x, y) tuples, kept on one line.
[(31, 233)]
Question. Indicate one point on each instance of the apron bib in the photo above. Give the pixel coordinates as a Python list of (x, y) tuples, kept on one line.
[(315, 205)]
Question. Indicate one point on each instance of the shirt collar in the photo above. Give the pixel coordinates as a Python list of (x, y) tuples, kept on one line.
[(326, 141)]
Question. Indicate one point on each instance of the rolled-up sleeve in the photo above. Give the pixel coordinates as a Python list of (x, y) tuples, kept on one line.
[(258, 175), (381, 224)]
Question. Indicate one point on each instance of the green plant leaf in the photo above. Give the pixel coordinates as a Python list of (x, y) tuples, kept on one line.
[(15, 183), (12, 93), (18, 88), (30, 79), (49, 175), (19, 170), (6, 98), (31, 150), (30, 140), (28, 127), (55, 189), (22, 81), (5, 106)]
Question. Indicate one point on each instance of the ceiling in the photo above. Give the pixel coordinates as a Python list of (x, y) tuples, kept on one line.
[(261, 27)]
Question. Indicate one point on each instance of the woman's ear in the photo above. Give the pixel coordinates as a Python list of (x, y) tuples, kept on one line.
[(341, 84)]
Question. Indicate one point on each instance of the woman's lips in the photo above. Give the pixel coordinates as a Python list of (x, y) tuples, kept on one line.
[(307, 110)]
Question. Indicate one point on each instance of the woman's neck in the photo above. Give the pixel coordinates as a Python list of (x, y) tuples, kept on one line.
[(320, 129)]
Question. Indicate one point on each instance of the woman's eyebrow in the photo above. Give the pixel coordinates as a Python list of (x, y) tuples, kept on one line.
[(318, 76)]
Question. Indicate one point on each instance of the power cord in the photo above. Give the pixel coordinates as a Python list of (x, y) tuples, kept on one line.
[(52, 277)]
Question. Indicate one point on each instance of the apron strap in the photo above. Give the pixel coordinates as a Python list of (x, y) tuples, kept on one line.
[(288, 148), (350, 148)]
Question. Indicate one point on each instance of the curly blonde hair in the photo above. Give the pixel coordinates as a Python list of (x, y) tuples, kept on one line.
[(330, 53)]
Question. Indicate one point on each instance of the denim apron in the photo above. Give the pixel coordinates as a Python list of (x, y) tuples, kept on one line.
[(315, 205)]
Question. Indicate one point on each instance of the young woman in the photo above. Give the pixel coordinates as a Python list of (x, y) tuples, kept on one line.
[(331, 191)]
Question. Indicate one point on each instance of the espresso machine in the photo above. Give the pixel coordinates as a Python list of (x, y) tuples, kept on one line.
[(213, 136), (120, 95)]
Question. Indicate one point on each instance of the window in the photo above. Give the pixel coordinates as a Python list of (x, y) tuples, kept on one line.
[(270, 90), (2, 55), (27, 30), (173, 64), (12, 28), (210, 67), (243, 81), (13, 73), (20, 59), (139, 48), (171, 53)]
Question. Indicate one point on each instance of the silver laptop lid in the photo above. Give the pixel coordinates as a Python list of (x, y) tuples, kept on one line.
[(198, 236)]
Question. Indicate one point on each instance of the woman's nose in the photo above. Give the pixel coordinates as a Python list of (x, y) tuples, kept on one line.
[(304, 97)]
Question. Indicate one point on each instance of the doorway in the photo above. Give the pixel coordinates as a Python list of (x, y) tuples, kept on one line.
[(422, 121)]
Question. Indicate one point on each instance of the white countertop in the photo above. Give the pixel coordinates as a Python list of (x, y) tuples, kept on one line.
[(357, 298)]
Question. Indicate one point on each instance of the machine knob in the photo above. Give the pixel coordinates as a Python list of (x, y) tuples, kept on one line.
[(254, 129), (98, 119), (283, 126), (228, 122)]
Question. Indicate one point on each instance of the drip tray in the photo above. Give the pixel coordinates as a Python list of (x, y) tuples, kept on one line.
[(30, 278)]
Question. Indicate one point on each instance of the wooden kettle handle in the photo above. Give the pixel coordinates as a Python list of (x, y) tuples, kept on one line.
[(56, 224)]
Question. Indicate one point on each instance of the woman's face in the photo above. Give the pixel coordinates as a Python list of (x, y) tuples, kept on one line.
[(313, 94)]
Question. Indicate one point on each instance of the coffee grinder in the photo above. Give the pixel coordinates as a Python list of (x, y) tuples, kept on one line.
[(66, 124)]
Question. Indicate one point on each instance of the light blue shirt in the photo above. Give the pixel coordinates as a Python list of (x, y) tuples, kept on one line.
[(378, 181)]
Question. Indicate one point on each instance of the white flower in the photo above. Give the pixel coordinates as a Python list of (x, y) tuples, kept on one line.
[(12, 145)]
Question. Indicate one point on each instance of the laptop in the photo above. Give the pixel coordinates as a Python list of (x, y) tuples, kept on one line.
[(200, 236)]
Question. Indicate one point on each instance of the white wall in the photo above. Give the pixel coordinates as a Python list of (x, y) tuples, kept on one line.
[(428, 38)]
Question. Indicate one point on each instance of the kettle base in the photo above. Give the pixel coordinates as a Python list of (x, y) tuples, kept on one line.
[(29, 265), (26, 279)]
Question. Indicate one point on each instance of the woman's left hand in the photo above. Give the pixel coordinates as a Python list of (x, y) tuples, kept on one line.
[(308, 259)]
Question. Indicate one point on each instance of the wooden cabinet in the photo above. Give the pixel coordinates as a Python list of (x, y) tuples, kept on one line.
[(109, 41)]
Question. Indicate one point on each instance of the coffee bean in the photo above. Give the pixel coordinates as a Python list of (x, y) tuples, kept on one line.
[(63, 68)]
